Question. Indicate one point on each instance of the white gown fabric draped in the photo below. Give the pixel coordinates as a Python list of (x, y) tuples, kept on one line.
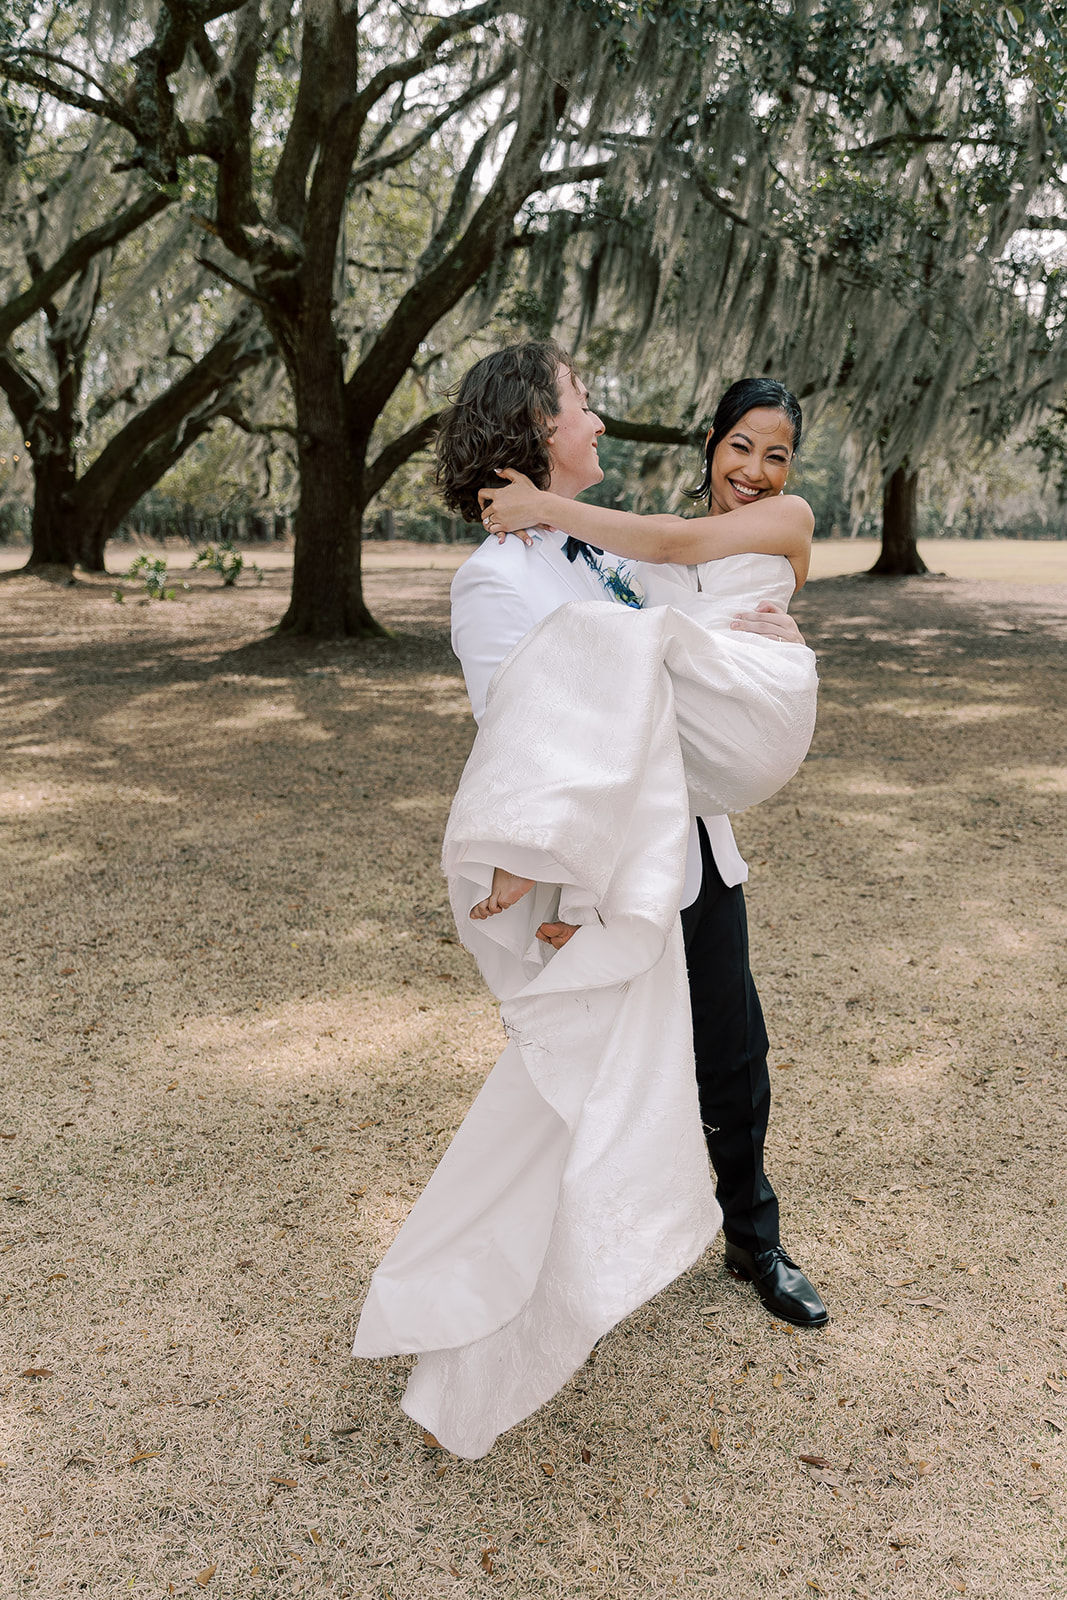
[(578, 1184)]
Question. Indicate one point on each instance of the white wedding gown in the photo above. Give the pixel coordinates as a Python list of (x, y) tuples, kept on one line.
[(578, 1184)]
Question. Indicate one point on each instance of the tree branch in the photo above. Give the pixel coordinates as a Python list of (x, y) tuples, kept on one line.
[(109, 108), (441, 33), (704, 188), (23, 393), (369, 170), (399, 450), (435, 293), (206, 54), (236, 209), (170, 414), (333, 125), (80, 72), (145, 470), (892, 140), (76, 257), (649, 432), (369, 266), (560, 175), (233, 413), (234, 283), (390, 124), (162, 137), (708, 194), (457, 205), (305, 126)]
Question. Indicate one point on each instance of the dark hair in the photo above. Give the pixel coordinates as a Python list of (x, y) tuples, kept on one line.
[(502, 415), (747, 394)]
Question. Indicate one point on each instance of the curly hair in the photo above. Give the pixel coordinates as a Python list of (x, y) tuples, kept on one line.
[(502, 415)]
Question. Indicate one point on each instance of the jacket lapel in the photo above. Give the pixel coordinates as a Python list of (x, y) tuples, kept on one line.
[(565, 571)]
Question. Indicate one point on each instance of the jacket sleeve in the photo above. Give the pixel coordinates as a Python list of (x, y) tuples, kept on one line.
[(489, 617)]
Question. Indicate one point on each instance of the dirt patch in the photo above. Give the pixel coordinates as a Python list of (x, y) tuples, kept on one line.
[(238, 1033)]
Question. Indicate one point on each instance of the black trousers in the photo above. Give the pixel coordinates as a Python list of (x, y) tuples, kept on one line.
[(730, 1044)]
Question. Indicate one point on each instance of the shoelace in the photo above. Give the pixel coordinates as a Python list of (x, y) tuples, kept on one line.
[(765, 1259)]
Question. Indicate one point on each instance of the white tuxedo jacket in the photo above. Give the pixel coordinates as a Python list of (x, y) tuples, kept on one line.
[(498, 594)]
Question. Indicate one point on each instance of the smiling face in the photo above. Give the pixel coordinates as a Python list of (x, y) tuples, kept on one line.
[(572, 446), (752, 461)]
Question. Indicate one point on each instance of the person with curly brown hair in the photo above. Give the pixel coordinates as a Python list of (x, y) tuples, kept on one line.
[(578, 1184), (525, 409)]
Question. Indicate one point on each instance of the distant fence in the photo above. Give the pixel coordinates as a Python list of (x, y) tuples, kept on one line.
[(423, 528), (179, 525), (184, 525), (187, 526)]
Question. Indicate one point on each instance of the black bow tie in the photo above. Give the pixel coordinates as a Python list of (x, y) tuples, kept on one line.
[(578, 547)]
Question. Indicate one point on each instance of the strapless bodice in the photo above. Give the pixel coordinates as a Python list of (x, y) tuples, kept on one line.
[(724, 587)]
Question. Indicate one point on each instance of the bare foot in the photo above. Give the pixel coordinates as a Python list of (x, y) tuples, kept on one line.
[(556, 933), (507, 891)]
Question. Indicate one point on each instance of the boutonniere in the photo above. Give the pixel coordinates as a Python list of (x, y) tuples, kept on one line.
[(630, 591)]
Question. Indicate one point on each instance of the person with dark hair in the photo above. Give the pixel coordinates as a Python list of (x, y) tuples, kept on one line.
[(741, 398), (578, 1184), (751, 444)]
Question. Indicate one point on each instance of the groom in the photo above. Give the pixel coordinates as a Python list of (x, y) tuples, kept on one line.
[(524, 407)]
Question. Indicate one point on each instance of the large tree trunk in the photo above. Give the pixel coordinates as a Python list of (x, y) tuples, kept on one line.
[(55, 505), (49, 434), (94, 530), (327, 597), (899, 556)]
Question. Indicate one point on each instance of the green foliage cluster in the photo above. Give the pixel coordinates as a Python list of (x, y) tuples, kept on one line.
[(225, 559), (1049, 440), (152, 571)]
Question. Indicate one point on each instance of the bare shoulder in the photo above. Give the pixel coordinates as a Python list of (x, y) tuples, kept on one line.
[(800, 511)]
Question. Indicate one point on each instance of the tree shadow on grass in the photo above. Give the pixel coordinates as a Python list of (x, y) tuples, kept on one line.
[(240, 1032)]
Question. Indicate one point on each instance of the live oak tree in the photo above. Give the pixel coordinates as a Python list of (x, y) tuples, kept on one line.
[(829, 194), (112, 359), (299, 111), (970, 344), (847, 198)]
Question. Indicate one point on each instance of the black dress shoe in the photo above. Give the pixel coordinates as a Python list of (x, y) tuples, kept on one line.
[(779, 1283)]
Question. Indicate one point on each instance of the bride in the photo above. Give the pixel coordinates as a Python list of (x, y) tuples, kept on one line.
[(578, 1184)]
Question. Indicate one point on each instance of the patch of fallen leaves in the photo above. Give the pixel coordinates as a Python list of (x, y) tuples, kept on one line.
[(820, 1470)]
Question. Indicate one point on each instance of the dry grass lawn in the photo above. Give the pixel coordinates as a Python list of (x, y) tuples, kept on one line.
[(237, 1034)]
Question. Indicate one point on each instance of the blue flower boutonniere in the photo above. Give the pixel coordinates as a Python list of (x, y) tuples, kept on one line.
[(629, 591)]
